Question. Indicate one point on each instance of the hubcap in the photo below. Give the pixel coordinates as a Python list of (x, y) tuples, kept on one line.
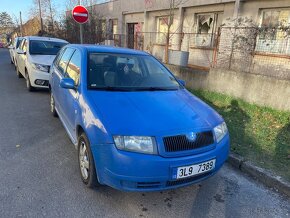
[(84, 160)]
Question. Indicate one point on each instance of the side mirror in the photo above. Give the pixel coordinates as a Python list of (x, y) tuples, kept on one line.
[(67, 83), (182, 82), (21, 52)]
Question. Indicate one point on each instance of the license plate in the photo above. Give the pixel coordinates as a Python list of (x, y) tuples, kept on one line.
[(196, 169)]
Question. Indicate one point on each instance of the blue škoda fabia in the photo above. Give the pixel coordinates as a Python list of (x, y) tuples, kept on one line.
[(135, 126)]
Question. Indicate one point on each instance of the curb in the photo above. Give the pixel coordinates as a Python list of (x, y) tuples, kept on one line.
[(264, 176)]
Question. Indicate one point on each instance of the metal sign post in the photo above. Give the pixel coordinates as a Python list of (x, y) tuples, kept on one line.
[(81, 28), (81, 33), (80, 15)]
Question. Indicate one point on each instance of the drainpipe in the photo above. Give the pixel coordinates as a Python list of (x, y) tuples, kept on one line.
[(237, 9)]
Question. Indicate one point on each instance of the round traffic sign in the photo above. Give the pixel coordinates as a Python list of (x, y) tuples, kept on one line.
[(80, 14)]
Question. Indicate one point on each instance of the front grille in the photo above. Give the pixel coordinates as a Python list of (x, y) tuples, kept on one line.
[(181, 143), (187, 180)]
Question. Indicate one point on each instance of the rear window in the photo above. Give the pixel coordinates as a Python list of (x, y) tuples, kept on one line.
[(37, 47)]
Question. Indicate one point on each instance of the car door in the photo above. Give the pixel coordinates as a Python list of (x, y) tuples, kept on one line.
[(22, 57), (17, 56), (16, 45), (12, 49), (58, 72), (70, 101)]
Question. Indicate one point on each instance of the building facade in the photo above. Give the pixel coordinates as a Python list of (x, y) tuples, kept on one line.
[(206, 30)]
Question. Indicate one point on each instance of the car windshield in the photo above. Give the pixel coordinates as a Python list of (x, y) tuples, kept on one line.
[(37, 47), (122, 72)]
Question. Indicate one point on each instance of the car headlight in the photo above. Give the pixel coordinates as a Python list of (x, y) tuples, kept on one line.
[(220, 131), (140, 144), (40, 67)]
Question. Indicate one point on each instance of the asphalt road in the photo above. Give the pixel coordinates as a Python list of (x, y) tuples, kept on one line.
[(39, 173)]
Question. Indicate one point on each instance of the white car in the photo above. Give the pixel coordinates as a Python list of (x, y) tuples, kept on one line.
[(34, 57), (13, 47)]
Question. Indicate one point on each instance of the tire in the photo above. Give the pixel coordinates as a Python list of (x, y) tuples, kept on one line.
[(19, 75), (86, 162), (28, 84), (52, 106)]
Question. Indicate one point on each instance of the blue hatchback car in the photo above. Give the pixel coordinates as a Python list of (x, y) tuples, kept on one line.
[(135, 126)]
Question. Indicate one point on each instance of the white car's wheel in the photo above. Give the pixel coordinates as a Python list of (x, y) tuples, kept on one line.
[(28, 84), (19, 75)]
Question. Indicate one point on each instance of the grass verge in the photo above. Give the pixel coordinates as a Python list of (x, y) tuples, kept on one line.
[(260, 134)]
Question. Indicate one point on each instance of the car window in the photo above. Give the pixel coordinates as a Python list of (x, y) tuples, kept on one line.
[(64, 60), (74, 67), (22, 43), (152, 68), (132, 72), (17, 43), (45, 47), (24, 46), (58, 57)]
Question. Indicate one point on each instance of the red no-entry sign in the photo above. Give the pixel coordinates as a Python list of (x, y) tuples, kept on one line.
[(80, 14)]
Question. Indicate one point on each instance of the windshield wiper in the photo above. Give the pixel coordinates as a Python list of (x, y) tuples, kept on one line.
[(133, 89), (111, 88), (157, 89), (39, 53)]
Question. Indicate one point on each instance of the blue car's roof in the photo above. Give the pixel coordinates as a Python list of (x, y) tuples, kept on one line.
[(107, 49)]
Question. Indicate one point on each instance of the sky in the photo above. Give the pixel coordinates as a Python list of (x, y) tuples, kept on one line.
[(13, 7)]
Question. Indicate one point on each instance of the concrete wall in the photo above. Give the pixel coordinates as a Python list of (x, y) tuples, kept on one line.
[(261, 90)]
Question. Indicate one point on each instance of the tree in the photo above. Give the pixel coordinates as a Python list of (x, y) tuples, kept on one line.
[(6, 21), (48, 12), (168, 19)]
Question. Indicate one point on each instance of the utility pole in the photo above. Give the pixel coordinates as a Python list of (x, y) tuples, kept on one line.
[(41, 24), (21, 33)]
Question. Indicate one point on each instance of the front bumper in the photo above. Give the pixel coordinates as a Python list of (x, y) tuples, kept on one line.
[(39, 79), (128, 171)]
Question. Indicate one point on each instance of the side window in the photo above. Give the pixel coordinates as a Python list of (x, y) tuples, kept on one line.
[(21, 45), (18, 43), (58, 57), (24, 46), (62, 64), (74, 67)]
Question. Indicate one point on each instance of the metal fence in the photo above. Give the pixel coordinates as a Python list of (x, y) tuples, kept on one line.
[(254, 51), (242, 49)]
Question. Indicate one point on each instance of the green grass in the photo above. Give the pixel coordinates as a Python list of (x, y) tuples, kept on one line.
[(259, 134)]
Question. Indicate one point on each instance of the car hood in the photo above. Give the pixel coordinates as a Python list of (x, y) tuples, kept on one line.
[(42, 59), (153, 112)]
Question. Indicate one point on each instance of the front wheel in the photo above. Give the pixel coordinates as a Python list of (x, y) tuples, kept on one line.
[(86, 162), (19, 75), (52, 106), (28, 84)]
